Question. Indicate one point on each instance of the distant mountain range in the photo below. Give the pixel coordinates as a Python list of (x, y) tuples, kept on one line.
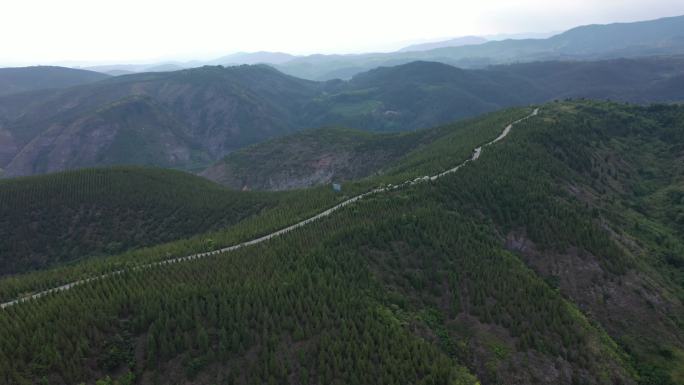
[(253, 58), (228, 60), (189, 119), (175, 119), (657, 37), (439, 91), (473, 40), (22, 79), (520, 36), (456, 42), (592, 42), (128, 69)]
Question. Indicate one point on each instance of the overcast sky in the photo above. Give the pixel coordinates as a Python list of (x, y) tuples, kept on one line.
[(50, 31)]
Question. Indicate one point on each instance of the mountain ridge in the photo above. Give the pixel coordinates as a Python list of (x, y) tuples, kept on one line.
[(26, 79), (454, 42), (500, 49), (319, 157), (206, 113), (656, 37)]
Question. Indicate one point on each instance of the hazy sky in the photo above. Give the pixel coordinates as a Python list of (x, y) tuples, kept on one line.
[(49, 31)]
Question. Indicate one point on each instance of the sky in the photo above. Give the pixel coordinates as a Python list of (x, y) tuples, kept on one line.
[(138, 31)]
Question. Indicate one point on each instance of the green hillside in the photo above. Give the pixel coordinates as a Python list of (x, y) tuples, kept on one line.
[(324, 156), (554, 258), (455, 145), (56, 218), (313, 157), (183, 118)]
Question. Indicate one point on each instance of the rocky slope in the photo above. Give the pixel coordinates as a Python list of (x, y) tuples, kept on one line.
[(310, 158)]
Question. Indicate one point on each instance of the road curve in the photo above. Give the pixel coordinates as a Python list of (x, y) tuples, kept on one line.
[(475, 156)]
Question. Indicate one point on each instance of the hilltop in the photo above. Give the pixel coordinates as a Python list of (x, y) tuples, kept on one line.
[(587, 42), (176, 119)]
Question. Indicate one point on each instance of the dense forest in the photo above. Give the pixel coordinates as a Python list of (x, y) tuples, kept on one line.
[(449, 145), (57, 218), (554, 258)]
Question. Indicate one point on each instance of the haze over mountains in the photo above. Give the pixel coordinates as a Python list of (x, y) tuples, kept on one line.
[(23, 79), (662, 36), (456, 42), (228, 60)]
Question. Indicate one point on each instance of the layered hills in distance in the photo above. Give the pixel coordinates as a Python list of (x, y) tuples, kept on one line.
[(591, 42), (456, 42), (191, 118), (24, 79)]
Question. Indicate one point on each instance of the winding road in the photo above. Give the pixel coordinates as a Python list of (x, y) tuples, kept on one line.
[(475, 156)]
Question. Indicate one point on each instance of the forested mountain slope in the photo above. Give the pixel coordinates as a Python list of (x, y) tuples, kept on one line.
[(323, 156), (51, 219), (554, 258), (23, 79), (109, 210), (189, 119), (178, 118), (313, 157)]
